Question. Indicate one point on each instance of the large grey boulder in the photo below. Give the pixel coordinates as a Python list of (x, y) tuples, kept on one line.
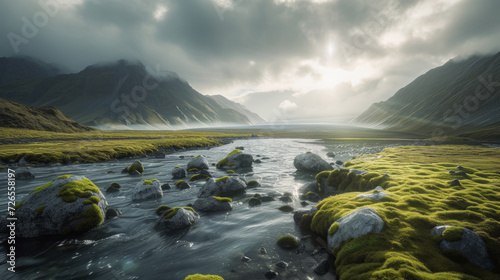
[(177, 218), (312, 163), (178, 173), (199, 162), (356, 224), (69, 204), (212, 204), (236, 159), (225, 186), (147, 189), (471, 245)]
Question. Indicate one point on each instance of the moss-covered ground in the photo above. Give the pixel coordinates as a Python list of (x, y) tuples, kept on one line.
[(93, 146), (420, 198)]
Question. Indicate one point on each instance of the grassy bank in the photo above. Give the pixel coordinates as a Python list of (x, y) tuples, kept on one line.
[(420, 197), (50, 147)]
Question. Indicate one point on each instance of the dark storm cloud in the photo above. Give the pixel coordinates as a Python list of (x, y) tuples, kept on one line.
[(249, 45)]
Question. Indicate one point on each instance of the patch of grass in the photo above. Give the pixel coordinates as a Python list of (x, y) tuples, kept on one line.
[(418, 201), (224, 162), (94, 146)]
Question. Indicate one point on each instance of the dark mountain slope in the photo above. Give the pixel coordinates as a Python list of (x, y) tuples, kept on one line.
[(459, 96), (123, 93), (223, 101), (22, 68), (15, 115)]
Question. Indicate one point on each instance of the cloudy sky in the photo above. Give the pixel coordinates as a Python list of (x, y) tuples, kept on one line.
[(302, 59)]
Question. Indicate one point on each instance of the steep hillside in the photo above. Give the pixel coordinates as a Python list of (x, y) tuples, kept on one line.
[(22, 68), (123, 93), (457, 97), (224, 102), (15, 115)]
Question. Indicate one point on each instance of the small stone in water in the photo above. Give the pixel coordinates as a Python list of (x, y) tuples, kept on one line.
[(303, 203), (263, 250), (281, 264), (245, 259), (271, 274)]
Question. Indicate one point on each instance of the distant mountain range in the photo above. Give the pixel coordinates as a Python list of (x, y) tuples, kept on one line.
[(457, 98), (124, 94), (21, 68), (15, 115)]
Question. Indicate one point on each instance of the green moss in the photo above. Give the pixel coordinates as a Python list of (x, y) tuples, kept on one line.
[(196, 156), (171, 212), (75, 189), (223, 179), (223, 199), (39, 210), (420, 199), (253, 184), (91, 218), (63, 177), (135, 167), (230, 172), (333, 228), (288, 242), (254, 201), (18, 204), (453, 233), (199, 177), (308, 152), (161, 209), (178, 166), (193, 170), (224, 162), (92, 199), (180, 182), (115, 185), (286, 208), (203, 277), (148, 182), (42, 187)]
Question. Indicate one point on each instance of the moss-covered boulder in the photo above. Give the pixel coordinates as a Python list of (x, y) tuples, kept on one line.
[(310, 163), (254, 201), (288, 242), (178, 172), (342, 180), (114, 187), (213, 204), (236, 159), (135, 168), (147, 189), (226, 186), (203, 277), (253, 184), (465, 242), (356, 224), (199, 162), (182, 185), (69, 204), (177, 218)]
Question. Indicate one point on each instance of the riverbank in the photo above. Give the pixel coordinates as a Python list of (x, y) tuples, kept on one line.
[(428, 186), (34, 147)]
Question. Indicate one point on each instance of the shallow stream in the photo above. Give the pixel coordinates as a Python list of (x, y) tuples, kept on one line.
[(128, 247)]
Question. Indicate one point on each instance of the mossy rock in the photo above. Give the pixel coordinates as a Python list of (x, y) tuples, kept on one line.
[(223, 199), (193, 170), (136, 166), (203, 277), (171, 212), (182, 185), (254, 201), (224, 162), (66, 205), (286, 208), (333, 228), (288, 242), (230, 171), (197, 177), (253, 184), (161, 209)]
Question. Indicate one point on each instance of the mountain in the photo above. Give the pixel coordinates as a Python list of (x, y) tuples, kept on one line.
[(460, 96), (22, 68), (124, 94), (15, 115), (224, 102)]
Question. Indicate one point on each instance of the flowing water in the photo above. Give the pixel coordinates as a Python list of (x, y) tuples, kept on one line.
[(128, 247)]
